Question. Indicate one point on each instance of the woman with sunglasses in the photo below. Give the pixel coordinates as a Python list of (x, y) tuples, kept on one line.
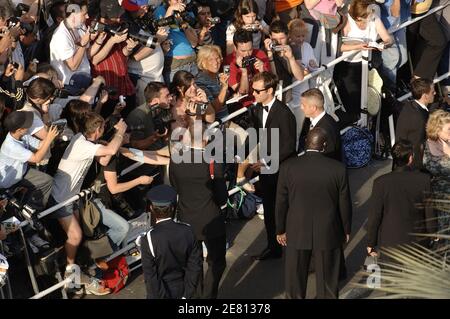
[(363, 24)]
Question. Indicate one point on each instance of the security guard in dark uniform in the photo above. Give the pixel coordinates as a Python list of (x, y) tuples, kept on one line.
[(171, 256)]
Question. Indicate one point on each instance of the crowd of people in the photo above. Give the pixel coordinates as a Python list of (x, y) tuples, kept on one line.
[(89, 87)]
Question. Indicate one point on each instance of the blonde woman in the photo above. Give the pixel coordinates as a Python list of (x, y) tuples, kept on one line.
[(215, 84), (437, 161)]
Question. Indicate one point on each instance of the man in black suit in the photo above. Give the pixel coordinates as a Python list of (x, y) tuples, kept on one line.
[(313, 217), (202, 190), (272, 114), (413, 118), (312, 104), (171, 256), (397, 203)]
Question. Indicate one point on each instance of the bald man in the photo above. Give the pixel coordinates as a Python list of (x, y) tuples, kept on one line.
[(313, 217), (312, 104)]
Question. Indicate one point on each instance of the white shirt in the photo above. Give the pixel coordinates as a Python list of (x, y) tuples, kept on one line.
[(151, 68), (266, 113), (316, 120), (72, 169), (62, 48), (163, 220), (14, 157), (422, 105), (37, 124)]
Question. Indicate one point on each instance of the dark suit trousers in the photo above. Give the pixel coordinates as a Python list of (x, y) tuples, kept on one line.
[(209, 285), (269, 191), (327, 264), (426, 42)]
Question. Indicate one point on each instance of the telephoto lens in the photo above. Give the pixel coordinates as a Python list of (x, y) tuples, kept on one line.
[(148, 41)]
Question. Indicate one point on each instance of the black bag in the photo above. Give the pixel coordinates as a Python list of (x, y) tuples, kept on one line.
[(243, 205)]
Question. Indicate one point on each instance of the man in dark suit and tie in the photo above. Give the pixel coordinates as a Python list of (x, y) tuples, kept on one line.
[(312, 104), (313, 217), (397, 204), (413, 118), (202, 191), (272, 114)]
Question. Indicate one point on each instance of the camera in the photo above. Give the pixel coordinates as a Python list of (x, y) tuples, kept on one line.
[(214, 21), (60, 125), (253, 28), (25, 27), (226, 69), (275, 47), (61, 94), (248, 61), (162, 118), (146, 40), (200, 109)]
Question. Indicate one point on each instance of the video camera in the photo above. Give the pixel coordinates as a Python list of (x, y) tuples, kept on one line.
[(162, 118), (146, 40)]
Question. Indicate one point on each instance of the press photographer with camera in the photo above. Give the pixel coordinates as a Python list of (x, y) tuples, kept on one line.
[(70, 48), (244, 64), (146, 133), (215, 84), (11, 86), (18, 151), (205, 22), (111, 61), (182, 35), (72, 170), (146, 64), (246, 17), (191, 102)]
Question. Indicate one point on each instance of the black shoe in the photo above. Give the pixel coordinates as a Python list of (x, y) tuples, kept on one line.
[(269, 254)]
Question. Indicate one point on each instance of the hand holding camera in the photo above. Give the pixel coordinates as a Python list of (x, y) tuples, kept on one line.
[(120, 37), (201, 96), (223, 78), (259, 65), (52, 133)]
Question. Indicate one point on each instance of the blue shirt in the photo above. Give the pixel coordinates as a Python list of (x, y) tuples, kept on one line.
[(14, 157), (390, 21), (212, 90), (181, 45)]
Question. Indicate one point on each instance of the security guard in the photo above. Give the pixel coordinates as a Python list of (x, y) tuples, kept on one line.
[(171, 256)]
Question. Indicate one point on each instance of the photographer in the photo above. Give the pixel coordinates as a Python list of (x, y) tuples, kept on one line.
[(204, 25), (146, 64), (72, 170), (184, 38), (17, 151), (191, 102), (246, 17), (144, 134), (14, 94), (69, 47), (111, 61), (215, 84), (244, 64)]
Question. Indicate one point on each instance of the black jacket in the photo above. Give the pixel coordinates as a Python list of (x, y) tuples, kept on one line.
[(396, 208), (281, 117), (313, 205), (411, 125), (333, 147), (173, 266), (200, 196)]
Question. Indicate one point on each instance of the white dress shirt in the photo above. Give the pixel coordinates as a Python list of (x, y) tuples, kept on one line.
[(316, 120), (422, 105), (266, 113)]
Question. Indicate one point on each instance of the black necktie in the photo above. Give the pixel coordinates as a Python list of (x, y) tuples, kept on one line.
[(265, 107)]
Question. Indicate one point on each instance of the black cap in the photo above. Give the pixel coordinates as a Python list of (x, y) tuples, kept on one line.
[(18, 119), (162, 196)]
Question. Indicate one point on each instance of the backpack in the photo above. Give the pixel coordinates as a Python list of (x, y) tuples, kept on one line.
[(96, 239), (357, 145), (116, 276), (243, 205)]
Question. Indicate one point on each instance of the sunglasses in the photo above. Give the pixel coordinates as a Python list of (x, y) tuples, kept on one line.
[(259, 91)]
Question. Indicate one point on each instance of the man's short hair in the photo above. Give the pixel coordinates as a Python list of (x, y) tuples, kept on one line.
[(316, 95), (269, 79), (401, 152), (279, 26), (420, 87), (153, 90), (75, 6), (92, 122), (242, 36), (6, 10)]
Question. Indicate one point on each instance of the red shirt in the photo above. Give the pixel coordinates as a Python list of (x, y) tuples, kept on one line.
[(114, 68), (235, 73)]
